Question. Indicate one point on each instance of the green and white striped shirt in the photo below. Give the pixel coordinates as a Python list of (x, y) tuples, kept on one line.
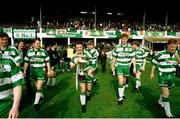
[(13, 52), (10, 76), (92, 55), (37, 58), (123, 55), (83, 62), (140, 56), (165, 61)]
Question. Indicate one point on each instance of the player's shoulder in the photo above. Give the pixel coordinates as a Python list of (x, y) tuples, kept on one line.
[(12, 48)]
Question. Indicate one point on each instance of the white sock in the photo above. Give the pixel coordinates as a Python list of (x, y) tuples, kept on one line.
[(121, 92), (83, 99), (37, 98), (138, 84), (167, 108), (160, 100)]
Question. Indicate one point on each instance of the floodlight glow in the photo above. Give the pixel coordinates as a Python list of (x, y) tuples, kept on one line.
[(109, 13), (93, 12), (83, 12)]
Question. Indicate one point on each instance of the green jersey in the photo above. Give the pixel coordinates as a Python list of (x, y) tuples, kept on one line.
[(92, 55), (83, 63), (10, 76), (123, 54), (165, 61), (37, 58), (13, 52), (140, 56)]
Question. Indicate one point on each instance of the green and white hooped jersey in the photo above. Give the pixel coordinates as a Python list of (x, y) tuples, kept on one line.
[(123, 55), (165, 61), (10, 76), (92, 55), (140, 56), (13, 52), (83, 62), (37, 58)]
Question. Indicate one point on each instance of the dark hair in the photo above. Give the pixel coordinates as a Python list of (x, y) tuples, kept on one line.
[(78, 42), (36, 39), (125, 35), (20, 41), (136, 43), (53, 43), (171, 41), (3, 34)]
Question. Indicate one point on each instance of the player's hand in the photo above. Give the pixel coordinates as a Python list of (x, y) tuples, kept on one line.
[(134, 70), (76, 61), (113, 69), (24, 73), (49, 73), (13, 113), (143, 68), (114, 74)]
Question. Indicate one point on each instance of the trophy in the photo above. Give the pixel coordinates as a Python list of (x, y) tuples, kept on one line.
[(83, 64)]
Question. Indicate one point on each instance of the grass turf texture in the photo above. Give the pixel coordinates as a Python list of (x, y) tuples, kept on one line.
[(63, 101)]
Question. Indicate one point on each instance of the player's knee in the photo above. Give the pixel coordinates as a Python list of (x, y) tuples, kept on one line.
[(165, 94)]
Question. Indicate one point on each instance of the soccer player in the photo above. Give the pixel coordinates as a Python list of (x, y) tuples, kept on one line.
[(37, 58), (92, 55), (81, 60), (22, 51), (11, 81), (166, 62), (6, 49), (140, 63), (54, 60), (123, 54)]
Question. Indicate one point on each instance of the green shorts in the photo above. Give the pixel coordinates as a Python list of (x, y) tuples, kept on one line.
[(166, 80), (38, 73), (138, 68), (5, 106), (122, 70), (91, 66)]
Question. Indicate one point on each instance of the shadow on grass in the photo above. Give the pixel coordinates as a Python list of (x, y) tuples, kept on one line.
[(55, 109), (114, 84), (27, 102), (150, 102), (95, 89)]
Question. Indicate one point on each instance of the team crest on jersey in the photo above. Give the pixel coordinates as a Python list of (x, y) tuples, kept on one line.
[(7, 67), (38, 54), (4, 68), (7, 53)]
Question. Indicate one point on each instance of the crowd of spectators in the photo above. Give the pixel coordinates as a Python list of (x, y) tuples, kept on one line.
[(86, 23)]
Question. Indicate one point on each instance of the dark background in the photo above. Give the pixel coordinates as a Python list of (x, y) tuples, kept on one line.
[(19, 11)]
